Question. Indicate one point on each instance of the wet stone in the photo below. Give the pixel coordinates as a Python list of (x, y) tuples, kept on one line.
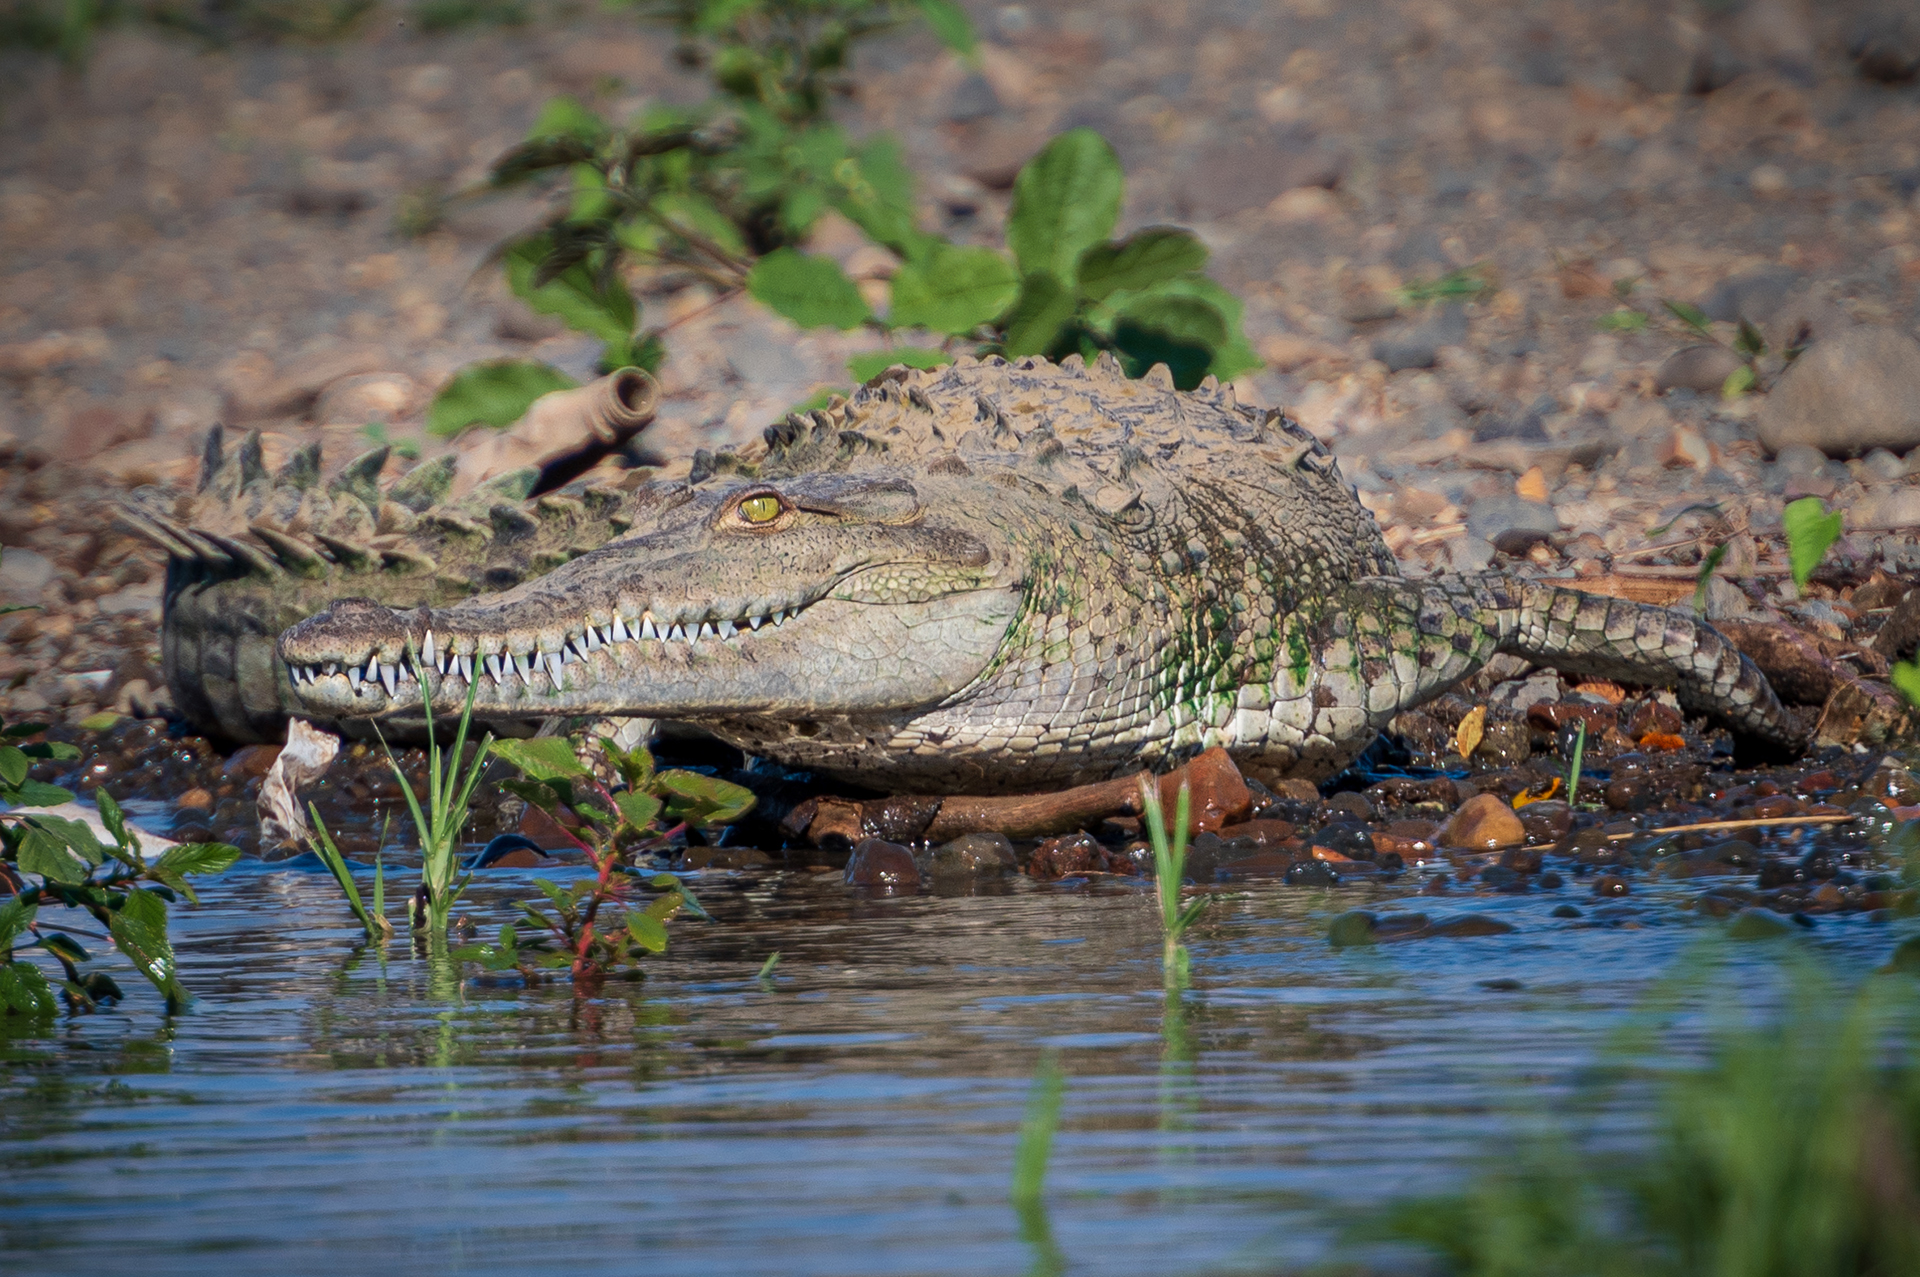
[(1484, 823), (1547, 821), (1067, 856), (1759, 924), (1565, 911), (876, 863), (1611, 885), (983, 855)]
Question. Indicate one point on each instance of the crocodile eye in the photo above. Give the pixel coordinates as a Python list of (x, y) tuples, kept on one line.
[(760, 509)]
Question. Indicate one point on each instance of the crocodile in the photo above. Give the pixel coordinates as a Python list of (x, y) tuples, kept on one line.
[(989, 576)]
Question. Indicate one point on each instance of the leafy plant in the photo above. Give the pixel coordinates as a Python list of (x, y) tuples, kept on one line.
[(1169, 870), (17, 788), (1469, 283), (577, 929), (123, 891), (1747, 343), (1811, 532), (373, 917), (438, 825), (1624, 320), (729, 190)]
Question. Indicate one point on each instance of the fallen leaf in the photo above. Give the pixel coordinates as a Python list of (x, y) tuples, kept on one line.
[(1662, 741), (1538, 794), (1467, 736)]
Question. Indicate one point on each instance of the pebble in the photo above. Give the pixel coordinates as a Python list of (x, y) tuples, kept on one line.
[(23, 574), (984, 855), (1702, 368), (1484, 823), (1847, 395), (1417, 344)]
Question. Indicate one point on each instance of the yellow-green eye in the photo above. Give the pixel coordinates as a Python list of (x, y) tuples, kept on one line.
[(761, 509)]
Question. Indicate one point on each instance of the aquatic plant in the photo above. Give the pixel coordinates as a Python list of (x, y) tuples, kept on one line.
[(1169, 870), (1792, 1151), (450, 783), (1030, 1159), (114, 883), (612, 826), (1573, 768), (373, 917)]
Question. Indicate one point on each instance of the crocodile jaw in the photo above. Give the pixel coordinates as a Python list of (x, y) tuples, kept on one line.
[(832, 655)]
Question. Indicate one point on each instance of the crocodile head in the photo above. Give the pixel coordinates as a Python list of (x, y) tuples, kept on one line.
[(848, 593)]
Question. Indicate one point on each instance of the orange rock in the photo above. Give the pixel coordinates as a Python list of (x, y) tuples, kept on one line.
[(1484, 823), (1662, 741), (249, 761), (198, 799), (1217, 794)]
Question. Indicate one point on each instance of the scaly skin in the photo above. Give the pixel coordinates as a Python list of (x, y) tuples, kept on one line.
[(1003, 576)]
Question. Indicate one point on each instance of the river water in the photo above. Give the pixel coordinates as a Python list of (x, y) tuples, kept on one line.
[(326, 1108)]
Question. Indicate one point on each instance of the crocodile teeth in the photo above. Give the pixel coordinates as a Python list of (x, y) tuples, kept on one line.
[(353, 676), (520, 668), (678, 634), (554, 671), (493, 668), (391, 678), (619, 629), (605, 635), (426, 650), (728, 629), (333, 667), (464, 665), (373, 669), (706, 630), (646, 627), (755, 622), (591, 639)]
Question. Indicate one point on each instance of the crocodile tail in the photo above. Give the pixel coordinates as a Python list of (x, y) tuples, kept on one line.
[(1629, 642)]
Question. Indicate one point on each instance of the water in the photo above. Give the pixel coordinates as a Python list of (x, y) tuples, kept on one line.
[(318, 1111)]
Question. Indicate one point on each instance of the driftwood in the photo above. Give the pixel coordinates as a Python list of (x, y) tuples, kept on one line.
[(1218, 797)]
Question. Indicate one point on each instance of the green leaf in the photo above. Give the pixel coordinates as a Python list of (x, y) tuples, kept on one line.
[(639, 810), (1065, 201), (876, 194), (1040, 316), (1180, 332), (647, 931), (865, 367), (1811, 532), (15, 918), (537, 792), (1691, 316), (73, 834), (1750, 343), (950, 23), (703, 800), (37, 793), (566, 117), (542, 758), (23, 729), (1623, 320), (198, 858), (1738, 383), (13, 764), (1145, 258), (1230, 360), (24, 991), (586, 300), (539, 155), (41, 853), (64, 945), (495, 393), (811, 291), (139, 928), (952, 290), (114, 819), (694, 211), (1905, 676), (51, 749)]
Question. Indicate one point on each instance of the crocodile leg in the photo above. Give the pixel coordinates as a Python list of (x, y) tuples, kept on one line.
[(1453, 623)]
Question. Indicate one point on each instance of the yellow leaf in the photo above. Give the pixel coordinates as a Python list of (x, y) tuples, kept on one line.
[(1466, 737), (1538, 794)]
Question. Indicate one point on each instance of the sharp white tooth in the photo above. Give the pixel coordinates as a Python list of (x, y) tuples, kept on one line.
[(706, 630), (373, 668), (333, 667), (779, 618), (493, 668), (464, 665), (755, 622), (442, 658), (353, 676), (647, 631), (619, 629), (553, 670), (520, 668), (390, 678), (581, 646), (592, 640), (606, 636), (728, 629), (678, 634), (426, 648)]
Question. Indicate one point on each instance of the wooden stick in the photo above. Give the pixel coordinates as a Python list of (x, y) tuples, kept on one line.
[(1736, 824)]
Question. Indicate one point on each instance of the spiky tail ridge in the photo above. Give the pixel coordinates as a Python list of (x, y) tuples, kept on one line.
[(1467, 617)]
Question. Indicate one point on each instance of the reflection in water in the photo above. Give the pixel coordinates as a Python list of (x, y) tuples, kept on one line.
[(326, 1104)]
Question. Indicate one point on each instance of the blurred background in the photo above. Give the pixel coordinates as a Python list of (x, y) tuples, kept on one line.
[(1532, 267)]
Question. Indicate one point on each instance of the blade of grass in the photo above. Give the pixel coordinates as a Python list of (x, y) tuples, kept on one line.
[(1037, 1129), (1573, 773)]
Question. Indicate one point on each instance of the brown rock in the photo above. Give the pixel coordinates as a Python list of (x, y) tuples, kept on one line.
[(877, 863), (249, 761), (1611, 885), (1803, 669), (1847, 395), (1058, 858), (1467, 925), (1547, 821), (1217, 794), (1652, 716), (365, 397), (1551, 716), (196, 798), (1484, 823), (1262, 833)]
